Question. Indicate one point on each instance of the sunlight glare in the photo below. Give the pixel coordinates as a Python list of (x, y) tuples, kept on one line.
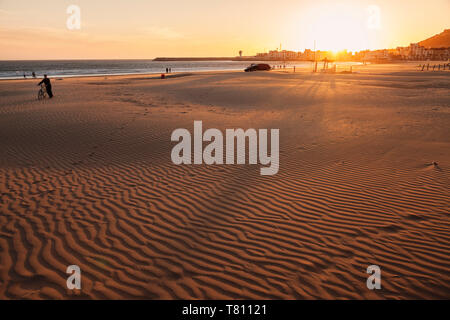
[(337, 28)]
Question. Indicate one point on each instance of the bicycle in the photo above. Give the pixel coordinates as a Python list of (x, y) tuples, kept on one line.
[(42, 93)]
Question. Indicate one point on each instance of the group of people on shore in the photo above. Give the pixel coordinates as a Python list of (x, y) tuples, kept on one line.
[(33, 75), (279, 66)]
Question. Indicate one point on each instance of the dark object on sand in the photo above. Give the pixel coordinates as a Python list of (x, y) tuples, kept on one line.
[(257, 67)]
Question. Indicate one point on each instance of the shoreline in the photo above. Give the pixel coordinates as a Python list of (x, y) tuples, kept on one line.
[(176, 74), (126, 75), (354, 64)]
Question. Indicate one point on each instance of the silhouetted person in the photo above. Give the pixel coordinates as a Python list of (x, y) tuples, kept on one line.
[(48, 86), (24, 76), (33, 74)]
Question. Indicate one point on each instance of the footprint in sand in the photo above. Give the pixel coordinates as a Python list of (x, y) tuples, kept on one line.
[(391, 228), (415, 217)]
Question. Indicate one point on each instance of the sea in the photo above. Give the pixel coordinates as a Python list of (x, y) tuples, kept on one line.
[(71, 68)]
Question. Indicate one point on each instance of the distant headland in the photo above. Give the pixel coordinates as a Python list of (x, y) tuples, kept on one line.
[(207, 59)]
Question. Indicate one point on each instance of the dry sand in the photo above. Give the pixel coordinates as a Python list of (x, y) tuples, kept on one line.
[(87, 179)]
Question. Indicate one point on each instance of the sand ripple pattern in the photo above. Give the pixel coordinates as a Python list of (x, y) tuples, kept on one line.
[(96, 188)]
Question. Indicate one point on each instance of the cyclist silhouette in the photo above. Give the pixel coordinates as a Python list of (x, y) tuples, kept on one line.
[(48, 86)]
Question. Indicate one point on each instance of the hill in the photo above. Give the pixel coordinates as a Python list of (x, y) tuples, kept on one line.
[(441, 40)]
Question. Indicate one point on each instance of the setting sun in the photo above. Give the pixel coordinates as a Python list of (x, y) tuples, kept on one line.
[(336, 27), (339, 28)]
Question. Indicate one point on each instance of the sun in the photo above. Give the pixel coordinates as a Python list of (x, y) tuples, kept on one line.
[(334, 27), (337, 32)]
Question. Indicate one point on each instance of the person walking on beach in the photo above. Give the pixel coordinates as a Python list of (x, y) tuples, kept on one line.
[(48, 86)]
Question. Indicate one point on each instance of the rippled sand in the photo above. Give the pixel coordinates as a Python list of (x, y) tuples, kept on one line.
[(87, 179)]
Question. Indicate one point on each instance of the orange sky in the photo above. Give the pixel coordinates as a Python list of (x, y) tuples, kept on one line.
[(147, 29)]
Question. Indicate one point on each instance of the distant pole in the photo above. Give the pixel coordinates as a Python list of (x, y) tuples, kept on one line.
[(314, 50), (315, 64)]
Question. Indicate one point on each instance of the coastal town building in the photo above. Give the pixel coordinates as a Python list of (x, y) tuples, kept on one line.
[(413, 52)]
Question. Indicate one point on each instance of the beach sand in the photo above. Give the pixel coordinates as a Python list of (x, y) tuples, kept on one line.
[(86, 179)]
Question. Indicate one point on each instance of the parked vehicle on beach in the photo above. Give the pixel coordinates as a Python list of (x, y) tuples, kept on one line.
[(257, 67)]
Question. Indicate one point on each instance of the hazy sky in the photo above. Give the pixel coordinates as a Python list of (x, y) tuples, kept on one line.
[(147, 28)]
